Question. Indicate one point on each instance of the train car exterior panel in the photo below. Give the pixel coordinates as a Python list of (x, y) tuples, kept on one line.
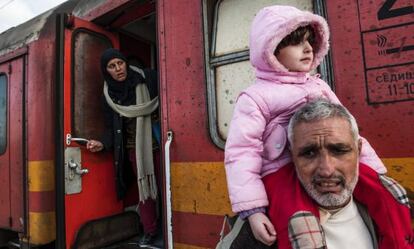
[(41, 188), (40, 100), (4, 158), (185, 82), (200, 188), (374, 76), (200, 230), (197, 172), (40, 139), (378, 116), (95, 9), (11, 159), (402, 169), (185, 246), (42, 228)]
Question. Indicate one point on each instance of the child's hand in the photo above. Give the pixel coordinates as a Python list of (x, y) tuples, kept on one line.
[(263, 230)]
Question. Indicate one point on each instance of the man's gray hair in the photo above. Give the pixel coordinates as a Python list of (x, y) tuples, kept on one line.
[(321, 109)]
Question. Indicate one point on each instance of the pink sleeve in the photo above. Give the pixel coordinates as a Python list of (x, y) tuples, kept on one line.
[(243, 156), (370, 158)]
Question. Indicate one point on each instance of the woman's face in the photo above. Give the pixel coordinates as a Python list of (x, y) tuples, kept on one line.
[(117, 68)]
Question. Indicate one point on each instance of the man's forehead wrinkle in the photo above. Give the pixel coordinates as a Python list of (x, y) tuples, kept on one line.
[(315, 131), (323, 141), (321, 134), (309, 145), (338, 144), (329, 134)]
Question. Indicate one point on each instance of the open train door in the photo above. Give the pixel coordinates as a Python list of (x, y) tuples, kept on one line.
[(85, 180)]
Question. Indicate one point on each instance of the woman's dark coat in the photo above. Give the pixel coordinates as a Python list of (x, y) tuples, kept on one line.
[(114, 134)]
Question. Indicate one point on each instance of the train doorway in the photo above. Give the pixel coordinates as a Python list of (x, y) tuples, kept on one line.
[(90, 201)]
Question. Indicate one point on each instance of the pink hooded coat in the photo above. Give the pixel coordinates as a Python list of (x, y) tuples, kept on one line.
[(257, 141)]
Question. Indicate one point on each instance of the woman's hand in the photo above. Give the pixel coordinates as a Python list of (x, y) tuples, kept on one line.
[(94, 146)]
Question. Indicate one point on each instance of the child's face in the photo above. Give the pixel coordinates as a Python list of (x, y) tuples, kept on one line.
[(297, 58)]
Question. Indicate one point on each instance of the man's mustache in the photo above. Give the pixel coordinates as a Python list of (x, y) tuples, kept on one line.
[(337, 179)]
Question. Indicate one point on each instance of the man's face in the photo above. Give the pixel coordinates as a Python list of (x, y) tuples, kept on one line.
[(326, 159)]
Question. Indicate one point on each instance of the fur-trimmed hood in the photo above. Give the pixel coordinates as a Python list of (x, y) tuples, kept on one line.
[(274, 23)]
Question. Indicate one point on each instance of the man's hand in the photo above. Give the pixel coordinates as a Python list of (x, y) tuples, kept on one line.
[(263, 230)]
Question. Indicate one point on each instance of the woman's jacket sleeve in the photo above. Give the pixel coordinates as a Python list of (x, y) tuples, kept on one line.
[(107, 138)]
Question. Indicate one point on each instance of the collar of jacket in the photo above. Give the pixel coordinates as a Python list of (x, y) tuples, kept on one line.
[(284, 77)]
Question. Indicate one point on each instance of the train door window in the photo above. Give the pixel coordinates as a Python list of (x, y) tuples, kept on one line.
[(3, 113), (87, 83), (228, 70)]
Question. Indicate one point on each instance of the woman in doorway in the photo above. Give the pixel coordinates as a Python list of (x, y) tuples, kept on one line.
[(127, 114)]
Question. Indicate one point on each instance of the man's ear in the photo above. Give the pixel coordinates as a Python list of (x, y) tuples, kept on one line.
[(359, 146)]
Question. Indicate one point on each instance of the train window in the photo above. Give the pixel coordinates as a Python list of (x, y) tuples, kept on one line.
[(3, 113), (228, 70), (87, 83)]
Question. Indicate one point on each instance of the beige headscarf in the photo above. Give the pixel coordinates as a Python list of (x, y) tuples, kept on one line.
[(147, 186)]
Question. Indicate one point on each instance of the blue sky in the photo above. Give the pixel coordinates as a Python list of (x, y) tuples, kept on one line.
[(15, 12)]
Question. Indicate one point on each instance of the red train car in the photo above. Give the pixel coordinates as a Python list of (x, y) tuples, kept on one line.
[(56, 194)]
